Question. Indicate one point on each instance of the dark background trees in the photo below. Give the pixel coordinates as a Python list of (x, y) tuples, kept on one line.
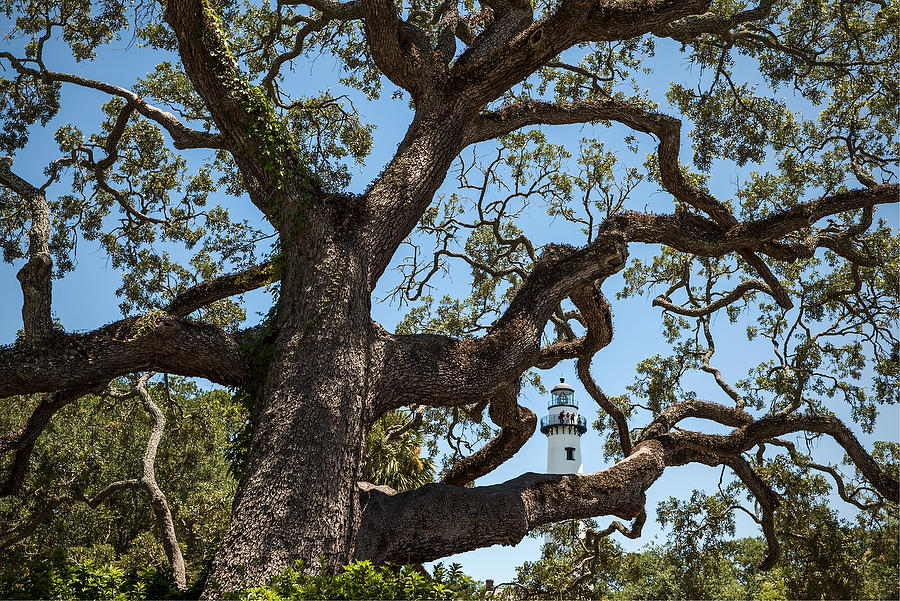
[(797, 252), (84, 478), (825, 556)]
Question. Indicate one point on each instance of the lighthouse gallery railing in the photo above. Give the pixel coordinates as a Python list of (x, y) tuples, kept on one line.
[(578, 422)]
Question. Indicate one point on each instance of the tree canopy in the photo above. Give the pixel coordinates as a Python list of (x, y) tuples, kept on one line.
[(229, 168)]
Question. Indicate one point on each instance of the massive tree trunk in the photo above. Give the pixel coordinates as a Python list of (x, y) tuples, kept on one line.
[(297, 494), (327, 380)]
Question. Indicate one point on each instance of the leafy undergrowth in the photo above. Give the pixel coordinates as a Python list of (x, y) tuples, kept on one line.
[(362, 580), (358, 580)]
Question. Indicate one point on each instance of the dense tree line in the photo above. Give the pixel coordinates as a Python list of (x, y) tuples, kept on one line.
[(102, 541), (825, 556), (99, 534)]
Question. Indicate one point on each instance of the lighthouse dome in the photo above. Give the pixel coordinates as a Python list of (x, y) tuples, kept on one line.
[(562, 395), (562, 386)]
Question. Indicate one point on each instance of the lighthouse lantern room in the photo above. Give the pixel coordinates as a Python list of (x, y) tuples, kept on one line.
[(563, 426)]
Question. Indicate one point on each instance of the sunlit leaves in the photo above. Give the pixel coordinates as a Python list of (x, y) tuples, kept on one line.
[(330, 132), (667, 267), (84, 25), (24, 101), (700, 526), (169, 85), (607, 427), (449, 316), (561, 572), (827, 555), (837, 57), (362, 580), (837, 345), (142, 208), (658, 378), (734, 122), (393, 456), (831, 351)]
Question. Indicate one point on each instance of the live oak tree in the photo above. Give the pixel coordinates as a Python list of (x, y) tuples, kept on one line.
[(798, 242)]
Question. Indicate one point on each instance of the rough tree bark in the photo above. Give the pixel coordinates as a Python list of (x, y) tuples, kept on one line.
[(333, 371), (317, 394)]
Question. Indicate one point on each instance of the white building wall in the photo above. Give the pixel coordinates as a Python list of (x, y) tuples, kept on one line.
[(558, 439)]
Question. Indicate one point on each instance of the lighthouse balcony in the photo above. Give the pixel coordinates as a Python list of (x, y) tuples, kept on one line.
[(553, 422)]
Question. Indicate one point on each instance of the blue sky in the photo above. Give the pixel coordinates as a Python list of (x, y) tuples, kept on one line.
[(86, 298)]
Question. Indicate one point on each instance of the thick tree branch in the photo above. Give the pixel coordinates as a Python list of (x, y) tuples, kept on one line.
[(212, 69), (597, 315), (673, 414), (555, 352), (450, 27), (768, 502), (35, 275), (493, 64), (772, 426), (693, 234), (584, 374), (509, 19), (764, 232), (481, 74), (158, 501), (421, 521), (593, 538), (424, 525), (261, 144), (153, 342), (439, 370), (492, 124), (401, 50), (693, 26), (446, 371), (407, 186), (803, 214), (776, 290), (738, 292), (667, 130), (224, 286)]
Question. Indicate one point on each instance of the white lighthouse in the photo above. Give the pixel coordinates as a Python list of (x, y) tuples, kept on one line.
[(563, 426)]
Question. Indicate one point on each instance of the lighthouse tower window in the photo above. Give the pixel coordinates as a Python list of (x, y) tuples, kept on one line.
[(570, 453)]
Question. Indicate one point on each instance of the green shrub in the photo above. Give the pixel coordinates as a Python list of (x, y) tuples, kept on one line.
[(62, 578), (362, 580)]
